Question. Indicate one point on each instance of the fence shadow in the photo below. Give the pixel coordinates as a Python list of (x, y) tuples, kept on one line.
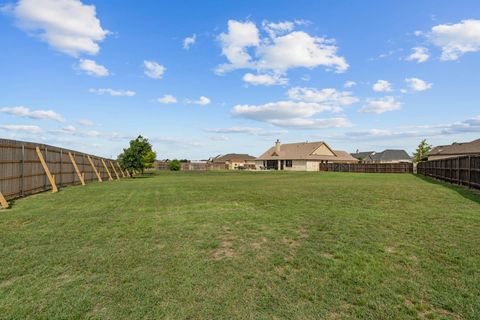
[(470, 194)]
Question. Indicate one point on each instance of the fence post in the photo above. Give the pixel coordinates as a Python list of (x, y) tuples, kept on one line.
[(469, 173), (61, 168), (22, 172), (46, 161)]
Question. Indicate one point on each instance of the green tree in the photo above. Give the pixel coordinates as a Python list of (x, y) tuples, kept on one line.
[(138, 156), (423, 149), (174, 165)]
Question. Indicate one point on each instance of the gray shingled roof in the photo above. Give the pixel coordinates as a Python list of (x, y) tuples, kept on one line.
[(361, 155), (472, 147), (389, 155)]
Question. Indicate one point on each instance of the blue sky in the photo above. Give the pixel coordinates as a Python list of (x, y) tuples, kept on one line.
[(206, 78)]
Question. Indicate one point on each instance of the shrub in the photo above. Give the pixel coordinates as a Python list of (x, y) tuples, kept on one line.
[(174, 165)]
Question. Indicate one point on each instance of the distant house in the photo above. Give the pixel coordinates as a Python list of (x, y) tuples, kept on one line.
[(361, 156), (455, 150), (388, 156), (303, 156), (234, 161)]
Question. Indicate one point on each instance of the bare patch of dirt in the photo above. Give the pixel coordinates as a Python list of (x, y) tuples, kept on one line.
[(390, 249), (294, 243), (258, 243), (328, 256), (225, 251)]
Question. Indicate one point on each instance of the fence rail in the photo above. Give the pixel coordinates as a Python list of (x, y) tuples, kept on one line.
[(368, 167), (463, 170), (22, 172)]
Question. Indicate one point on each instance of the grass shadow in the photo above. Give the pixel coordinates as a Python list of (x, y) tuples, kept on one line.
[(470, 194)]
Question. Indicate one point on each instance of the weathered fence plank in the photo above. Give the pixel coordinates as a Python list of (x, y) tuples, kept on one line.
[(403, 167), (463, 170), (22, 172)]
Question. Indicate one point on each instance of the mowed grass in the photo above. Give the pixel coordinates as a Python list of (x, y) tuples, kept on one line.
[(240, 245)]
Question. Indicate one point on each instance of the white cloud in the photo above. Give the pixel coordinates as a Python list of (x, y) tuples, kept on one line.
[(264, 79), (112, 92), (299, 49), (456, 39), (69, 129), (167, 98), (247, 130), (419, 54), (349, 84), (26, 128), (328, 96), (153, 69), (25, 112), (68, 26), (276, 53), (86, 122), (416, 84), (471, 125), (382, 86), (312, 123), (381, 105), (91, 68), (235, 42), (189, 41), (203, 101), (276, 28), (280, 110)]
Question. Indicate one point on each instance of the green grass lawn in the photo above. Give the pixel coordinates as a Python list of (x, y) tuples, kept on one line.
[(240, 245)]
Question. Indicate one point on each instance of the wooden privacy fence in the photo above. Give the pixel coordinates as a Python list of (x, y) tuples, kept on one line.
[(368, 167), (192, 166), (28, 168), (463, 170)]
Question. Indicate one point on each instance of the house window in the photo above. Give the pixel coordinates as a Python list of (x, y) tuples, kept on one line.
[(288, 163)]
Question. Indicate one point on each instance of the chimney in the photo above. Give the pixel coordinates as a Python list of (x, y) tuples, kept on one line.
[(277, 146)]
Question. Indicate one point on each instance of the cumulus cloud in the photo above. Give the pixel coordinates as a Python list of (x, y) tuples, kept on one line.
[(68, 26), (112, 92), (276, 28), (456, 39), (328, 96), (381, 105), (189, 41), (416, 84), (91, 68), (281, 49), (167, 99), (24, 128), (25, 112), (86, 122), (382, 86), (419, 54), (153, 69), (289, 114), (203, 101), (235, 42), (349, 84), (264, 79)]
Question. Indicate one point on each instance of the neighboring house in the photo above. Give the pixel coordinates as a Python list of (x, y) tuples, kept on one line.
[(234, 161), (455, 150), (303, 156), (388, 156), (361, 156)]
